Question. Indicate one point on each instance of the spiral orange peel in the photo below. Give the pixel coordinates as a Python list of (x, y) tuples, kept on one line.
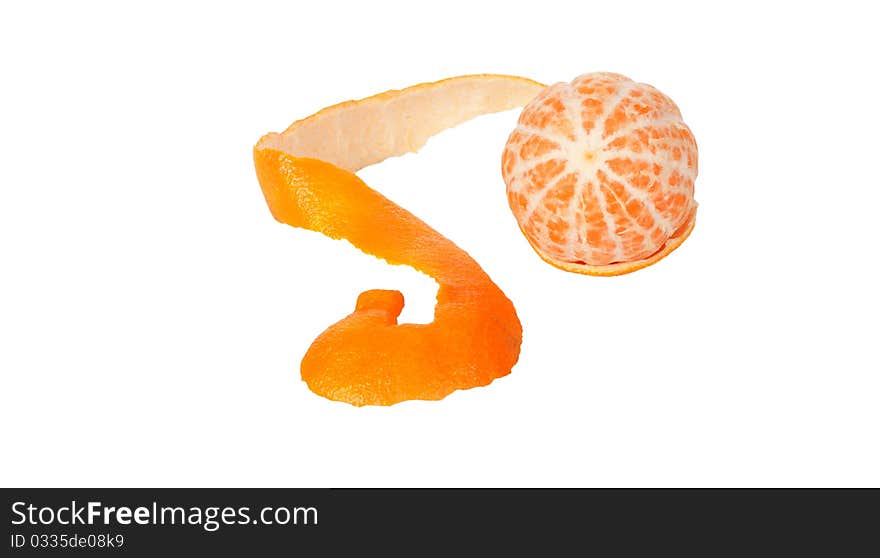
[(307, 177)]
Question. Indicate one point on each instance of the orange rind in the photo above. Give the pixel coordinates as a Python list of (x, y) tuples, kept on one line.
[(306, 174)]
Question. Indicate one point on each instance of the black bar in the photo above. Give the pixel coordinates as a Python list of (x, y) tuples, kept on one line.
[(378, 522)]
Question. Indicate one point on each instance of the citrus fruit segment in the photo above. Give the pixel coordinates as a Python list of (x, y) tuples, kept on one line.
[(600, 175), (306, 174)]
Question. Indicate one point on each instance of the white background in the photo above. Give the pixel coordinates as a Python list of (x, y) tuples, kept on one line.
[(153, 314)]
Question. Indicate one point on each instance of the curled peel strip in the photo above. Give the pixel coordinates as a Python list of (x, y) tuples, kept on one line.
[(306, 174)]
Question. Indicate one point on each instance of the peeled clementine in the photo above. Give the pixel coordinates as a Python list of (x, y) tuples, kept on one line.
[(600, 175)]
